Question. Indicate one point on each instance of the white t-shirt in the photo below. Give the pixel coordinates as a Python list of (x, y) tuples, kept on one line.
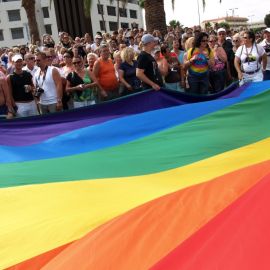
[(250, 57), (266, 46), (33, 71)]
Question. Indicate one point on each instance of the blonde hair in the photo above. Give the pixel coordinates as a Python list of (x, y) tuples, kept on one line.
[(115, 54), (92, 54), (189, 43), (126, 52)]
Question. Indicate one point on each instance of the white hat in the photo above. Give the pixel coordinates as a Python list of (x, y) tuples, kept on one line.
[(16, 57), (267, 30), (221, 30), (98, 36), (88, 47), (147, 38)]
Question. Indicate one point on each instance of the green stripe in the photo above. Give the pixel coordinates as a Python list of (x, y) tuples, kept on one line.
[(233, 127)]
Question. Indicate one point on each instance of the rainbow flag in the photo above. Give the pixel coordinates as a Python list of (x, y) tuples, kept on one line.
[(157, 180)]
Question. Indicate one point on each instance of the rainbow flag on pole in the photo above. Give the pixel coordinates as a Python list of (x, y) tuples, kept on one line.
[(154, 181)]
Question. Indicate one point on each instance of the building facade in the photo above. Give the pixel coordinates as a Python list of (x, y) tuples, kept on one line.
[(130, 16), (14, 29), (236, 23), (65, 15)]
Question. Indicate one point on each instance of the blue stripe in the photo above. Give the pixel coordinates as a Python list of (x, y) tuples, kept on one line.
[(121, 130)]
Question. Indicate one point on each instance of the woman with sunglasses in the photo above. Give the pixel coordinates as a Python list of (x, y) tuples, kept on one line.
[(198, 59), (80, 83), (217, 73), (236, 42), (249, 59)]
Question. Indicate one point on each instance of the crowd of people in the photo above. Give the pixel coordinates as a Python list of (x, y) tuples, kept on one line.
[(51, 77)]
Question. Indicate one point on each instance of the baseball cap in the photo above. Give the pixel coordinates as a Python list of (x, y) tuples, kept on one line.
[(157, 49), (221, 30), (267, 30), (16, 57), (147, 38)]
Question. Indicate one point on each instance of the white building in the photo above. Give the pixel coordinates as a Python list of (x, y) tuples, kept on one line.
[(129, 16), (14, 29)]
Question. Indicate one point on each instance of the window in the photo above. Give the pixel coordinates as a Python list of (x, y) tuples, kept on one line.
[(1, 35), (111, 11), (17, 33), (134, 25), (45, 11), (123, 12), (124, 25), (100, 9), (133, 14), (14, 15), (113, 26), (102, 25), (48, 29)]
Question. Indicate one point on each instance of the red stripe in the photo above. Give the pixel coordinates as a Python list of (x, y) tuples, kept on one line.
[(238, 238)]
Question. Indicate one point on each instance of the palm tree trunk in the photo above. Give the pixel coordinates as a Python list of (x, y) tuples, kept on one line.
[(118, 14), (155, 16), (29, 6)]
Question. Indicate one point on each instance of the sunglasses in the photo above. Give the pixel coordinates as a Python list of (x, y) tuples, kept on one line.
[(211, 41), (76, 63), (37, 60), (236, 40)]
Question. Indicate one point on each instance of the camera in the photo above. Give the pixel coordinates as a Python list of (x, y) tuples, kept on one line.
[(39, 91)]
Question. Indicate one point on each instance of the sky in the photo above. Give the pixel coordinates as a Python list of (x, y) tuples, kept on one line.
[(186, 12)]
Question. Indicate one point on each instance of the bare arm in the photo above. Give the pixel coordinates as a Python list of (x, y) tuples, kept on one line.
[(264, 61), (237, 67), (140, 74), (96, 73), (59, 86), (122, 80)]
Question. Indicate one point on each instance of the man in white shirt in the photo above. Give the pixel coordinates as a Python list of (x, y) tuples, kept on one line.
[(266, 45), (49, 85), (95, 45), (30, 64)]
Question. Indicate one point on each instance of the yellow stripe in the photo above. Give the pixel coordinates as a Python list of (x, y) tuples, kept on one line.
[(38, 218)]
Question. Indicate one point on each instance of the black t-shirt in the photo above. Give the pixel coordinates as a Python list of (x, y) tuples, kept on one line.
[(18, 81), (228, 48), (75, 80), (148, 63)]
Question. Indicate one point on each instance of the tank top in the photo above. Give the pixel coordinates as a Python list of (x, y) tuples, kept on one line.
[(106, 76), (47, 83)]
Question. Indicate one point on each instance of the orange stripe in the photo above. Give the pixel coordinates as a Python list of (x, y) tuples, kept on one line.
[(141, 237), (39, 261)]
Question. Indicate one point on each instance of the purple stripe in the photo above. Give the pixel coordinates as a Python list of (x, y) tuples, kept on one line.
[(27, 131)]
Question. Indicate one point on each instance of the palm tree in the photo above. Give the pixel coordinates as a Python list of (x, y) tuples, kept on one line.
[(29, 6), (155, 14)]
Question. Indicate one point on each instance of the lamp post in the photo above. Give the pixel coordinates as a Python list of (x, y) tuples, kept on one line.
[(250, 17), (233, 9), (199, 12)]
